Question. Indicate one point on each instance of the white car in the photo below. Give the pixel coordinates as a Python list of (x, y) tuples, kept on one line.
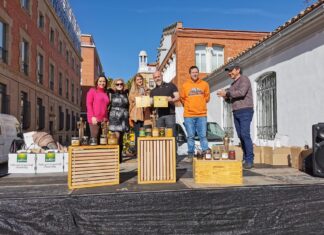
[(9, 128), (215, 134)]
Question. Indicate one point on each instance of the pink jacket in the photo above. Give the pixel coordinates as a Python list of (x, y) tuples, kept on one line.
[(97, 104)]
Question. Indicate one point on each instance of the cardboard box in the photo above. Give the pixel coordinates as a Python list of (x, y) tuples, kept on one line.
[(280, 157), (21, 163), (257, 155), (160, 101), (218, 172), (294, 156), (266, 155), (49, 162)]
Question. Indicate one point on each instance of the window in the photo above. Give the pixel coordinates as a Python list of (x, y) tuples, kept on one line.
[(61, 119), (217, 54), (228, 119), (67, 89), (24, 110), (51, 77), (40, 68), (4, 99), (25, 4), (60, 47), (67, 56), (40, 115), (67, 120), (41, 21), (72, 92), (3, 42), (60, 83), (52, 35), (201, 57), (73, 122), (72, 63), (24, 56), (266, 106)]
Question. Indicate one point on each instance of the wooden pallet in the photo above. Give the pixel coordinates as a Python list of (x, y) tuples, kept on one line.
[(156, 160), (218, 172), (91, 166)]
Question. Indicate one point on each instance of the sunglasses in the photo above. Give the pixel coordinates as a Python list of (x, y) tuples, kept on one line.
[(119, 84)]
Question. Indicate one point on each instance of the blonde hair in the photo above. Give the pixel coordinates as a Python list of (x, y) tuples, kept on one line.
[(134, 88), (113, 84)]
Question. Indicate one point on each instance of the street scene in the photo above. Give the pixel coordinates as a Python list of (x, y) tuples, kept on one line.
[(167, 118)]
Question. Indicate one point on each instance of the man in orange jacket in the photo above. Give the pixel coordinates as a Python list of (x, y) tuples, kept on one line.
[(194, 96)]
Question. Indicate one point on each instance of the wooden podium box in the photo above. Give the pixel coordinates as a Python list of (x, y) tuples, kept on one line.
[(217, 172), (156, 160), (91, 166)]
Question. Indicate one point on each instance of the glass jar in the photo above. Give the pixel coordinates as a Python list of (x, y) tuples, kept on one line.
[(75, 141), (161, 131), (112, 139)]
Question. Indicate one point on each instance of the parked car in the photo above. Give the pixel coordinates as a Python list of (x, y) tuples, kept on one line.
[(215, 134), (9, 130)]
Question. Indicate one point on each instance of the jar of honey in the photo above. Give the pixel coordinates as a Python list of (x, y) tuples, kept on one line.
[(75, 141), (112, 139), (155, 132), (168, 132)]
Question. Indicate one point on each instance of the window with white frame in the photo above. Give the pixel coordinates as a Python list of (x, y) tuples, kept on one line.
[(266, 106), (228, 119), (217, 55), (200, 52)]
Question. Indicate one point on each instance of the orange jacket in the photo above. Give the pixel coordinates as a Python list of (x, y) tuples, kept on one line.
[(194, 97)]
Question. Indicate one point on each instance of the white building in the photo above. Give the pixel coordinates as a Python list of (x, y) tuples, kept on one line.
[(287, 75), (146, 70)]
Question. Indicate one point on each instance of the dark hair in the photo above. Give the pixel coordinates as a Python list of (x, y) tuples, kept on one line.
[(193, 67), (97, 80)]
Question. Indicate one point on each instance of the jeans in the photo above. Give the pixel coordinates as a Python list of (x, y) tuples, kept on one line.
[(193, 125), (242, 122), (167, 121)]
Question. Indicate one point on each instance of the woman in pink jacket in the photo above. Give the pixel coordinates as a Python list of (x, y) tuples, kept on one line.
[(97, 104)]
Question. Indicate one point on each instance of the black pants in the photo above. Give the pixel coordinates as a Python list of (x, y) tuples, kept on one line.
[(137, 126)]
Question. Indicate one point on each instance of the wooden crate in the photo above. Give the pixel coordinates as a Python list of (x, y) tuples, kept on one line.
[(156, 160), (91, 166), (218, 172)]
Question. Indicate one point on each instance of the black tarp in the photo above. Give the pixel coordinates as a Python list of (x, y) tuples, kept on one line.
[(245, 210)]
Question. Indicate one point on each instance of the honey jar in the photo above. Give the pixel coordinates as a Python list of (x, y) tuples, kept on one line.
[(155, 132), (168, 132), (75, 141)]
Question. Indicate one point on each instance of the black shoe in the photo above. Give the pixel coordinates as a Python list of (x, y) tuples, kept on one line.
[(248, 165)]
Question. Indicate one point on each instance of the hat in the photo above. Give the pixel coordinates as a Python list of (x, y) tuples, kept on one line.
[(230, 67)]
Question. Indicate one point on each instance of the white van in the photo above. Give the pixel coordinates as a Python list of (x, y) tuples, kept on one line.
[(9, 128), (215, 134)]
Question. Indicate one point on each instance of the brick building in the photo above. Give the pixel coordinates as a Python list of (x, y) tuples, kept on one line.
[(40, 65), (182, 47), (91, 68)]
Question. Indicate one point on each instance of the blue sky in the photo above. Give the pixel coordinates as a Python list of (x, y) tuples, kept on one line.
[(122, 28)]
